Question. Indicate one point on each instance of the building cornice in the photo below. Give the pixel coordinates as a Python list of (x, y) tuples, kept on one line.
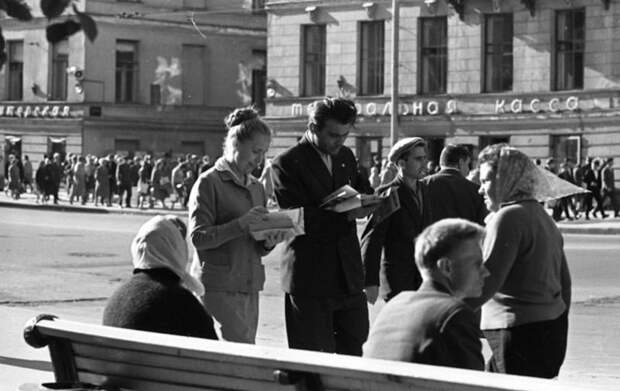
[(287, 5)]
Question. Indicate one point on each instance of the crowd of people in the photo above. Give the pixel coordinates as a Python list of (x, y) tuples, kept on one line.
[(140, 181), (456, 262)]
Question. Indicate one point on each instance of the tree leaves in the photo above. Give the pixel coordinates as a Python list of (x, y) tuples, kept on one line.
[(17, 9), (58, 31), (54, 8), (88, 24)]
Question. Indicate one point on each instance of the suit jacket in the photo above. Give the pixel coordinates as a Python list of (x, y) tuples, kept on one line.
[(608, 178), (429, 326), (453, 195), (326, 261), (395, 236)]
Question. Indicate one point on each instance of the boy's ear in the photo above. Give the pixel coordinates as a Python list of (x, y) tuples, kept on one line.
[(444, 266)]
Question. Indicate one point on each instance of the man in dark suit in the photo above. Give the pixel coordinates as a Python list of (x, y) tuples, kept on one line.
[(322, 275), (433, 325), (395, 233), (451, 194)]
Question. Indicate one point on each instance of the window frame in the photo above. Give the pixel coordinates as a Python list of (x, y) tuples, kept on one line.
[(12, 95), (118, 97), (421, 56), (500, 47), (318, 89), (559, 81), (366, 85), (59, 73)]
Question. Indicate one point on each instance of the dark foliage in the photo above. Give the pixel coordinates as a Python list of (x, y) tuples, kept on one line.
[(54, 8), (58, 31)]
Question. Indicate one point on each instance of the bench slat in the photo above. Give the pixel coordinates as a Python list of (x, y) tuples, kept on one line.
[(139, 385), (173, 376), (127, 356)]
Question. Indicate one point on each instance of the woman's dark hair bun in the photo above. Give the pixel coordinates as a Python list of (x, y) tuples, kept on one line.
[(238, 116)]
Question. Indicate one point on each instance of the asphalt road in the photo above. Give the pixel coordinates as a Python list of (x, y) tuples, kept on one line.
[(69, 263)]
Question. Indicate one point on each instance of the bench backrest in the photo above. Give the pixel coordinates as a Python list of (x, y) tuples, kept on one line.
[(141, 360)]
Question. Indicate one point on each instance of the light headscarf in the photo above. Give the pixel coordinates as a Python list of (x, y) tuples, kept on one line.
[(159, 243), (518, 178)]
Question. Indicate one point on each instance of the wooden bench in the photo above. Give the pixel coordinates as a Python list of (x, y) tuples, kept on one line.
[(128, 359)]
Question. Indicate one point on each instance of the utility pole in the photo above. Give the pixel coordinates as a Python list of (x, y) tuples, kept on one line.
[(394, 100)]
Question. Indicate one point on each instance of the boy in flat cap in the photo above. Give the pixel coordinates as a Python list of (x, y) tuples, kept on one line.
[(395, 234)]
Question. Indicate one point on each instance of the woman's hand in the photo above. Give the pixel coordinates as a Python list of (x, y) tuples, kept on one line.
[(253, 216), (273, 239)]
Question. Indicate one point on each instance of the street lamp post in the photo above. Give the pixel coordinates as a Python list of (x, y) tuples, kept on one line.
[(394, 100)]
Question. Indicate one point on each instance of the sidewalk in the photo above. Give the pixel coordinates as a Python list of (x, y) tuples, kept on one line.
[(608, 226), (28, 200)]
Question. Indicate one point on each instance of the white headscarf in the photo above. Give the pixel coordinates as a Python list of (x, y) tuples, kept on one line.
[(159, 243)]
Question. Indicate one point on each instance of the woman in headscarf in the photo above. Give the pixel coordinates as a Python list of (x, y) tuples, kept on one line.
[(527, 295), (224, 202), (161, 296)]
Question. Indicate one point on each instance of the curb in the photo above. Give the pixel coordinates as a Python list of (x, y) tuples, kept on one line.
[(88, 209), (565, 229)]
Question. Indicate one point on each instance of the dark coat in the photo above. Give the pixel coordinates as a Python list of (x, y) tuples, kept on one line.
[(453, 195), (153, 300), (395, 235), (326, 260), (429, 326)]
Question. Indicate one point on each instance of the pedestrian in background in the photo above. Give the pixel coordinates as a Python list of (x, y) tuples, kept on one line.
[(223, 204), (40, 179), (143, 185), (102, 183), (387, 244), (78, 183), (124, 181), (608, 182), (450, 193), (526, 298), (14, 182), (159, 182), (27, 181), (56, 173)]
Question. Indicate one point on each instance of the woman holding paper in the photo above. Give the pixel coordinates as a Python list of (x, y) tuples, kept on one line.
[(224, 203)]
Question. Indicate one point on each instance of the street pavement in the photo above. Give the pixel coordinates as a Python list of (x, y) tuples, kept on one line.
[(63, 258)]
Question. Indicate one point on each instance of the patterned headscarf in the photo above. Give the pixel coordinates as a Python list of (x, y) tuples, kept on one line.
[(518, 178), (160, 243)]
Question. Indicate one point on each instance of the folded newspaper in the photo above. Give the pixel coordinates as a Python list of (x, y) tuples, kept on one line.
[(347, 198), (288, 221)]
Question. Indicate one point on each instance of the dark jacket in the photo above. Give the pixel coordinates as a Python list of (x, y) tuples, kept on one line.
[(453, 195), (395, 236), (123, 175), (326, 260), (429, 326), (153, 300)]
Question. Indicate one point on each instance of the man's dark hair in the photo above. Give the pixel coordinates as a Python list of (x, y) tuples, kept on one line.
[(452, 153), (339, 109), (442, 238)]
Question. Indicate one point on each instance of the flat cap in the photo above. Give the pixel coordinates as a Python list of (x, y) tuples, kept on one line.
[(403, 146)]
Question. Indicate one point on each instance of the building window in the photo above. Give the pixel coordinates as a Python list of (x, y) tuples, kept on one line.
[(126, 71), (565, 147), (569, 49), (372, 55), (313, 60), (60, 62), (433, 55), (498, 35), (16, 70)]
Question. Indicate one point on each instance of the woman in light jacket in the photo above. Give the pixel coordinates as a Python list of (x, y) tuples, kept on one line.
[(224, 202)]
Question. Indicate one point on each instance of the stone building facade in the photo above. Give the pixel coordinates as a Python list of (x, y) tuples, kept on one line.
[(159, 77), (543, 75)]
